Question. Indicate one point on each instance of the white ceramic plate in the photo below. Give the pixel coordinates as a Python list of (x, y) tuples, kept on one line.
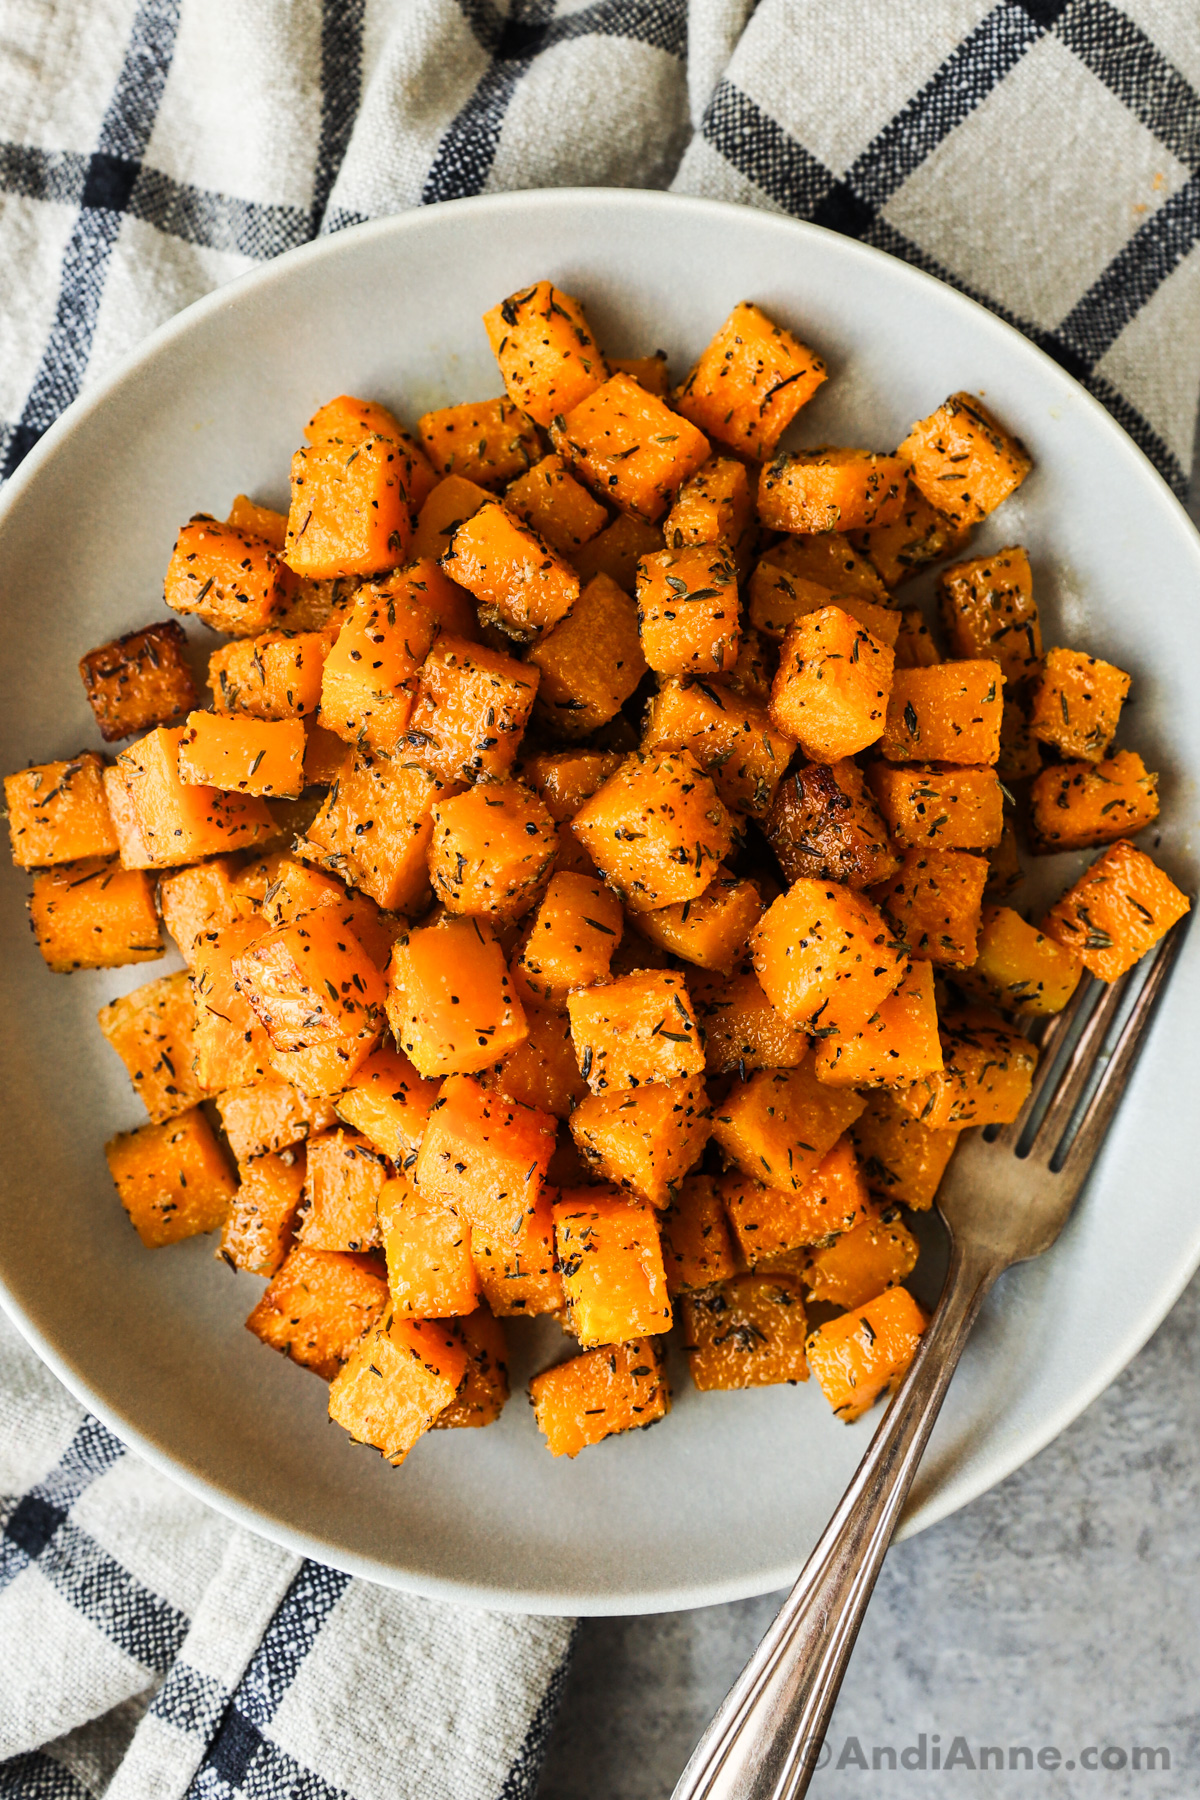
[(725, 1497)]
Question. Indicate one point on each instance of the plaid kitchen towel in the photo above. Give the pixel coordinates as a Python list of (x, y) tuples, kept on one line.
[(1044, 156)]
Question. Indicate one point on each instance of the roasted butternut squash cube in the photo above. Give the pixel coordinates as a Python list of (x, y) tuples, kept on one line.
[(350, 507), (541, 1072), (656, 830), (985, 1078), (629, 446), (442, 512), (950, 713), (919, 536), (988, 610), (450, 1002), (1076, 706), (487, 441), (473, 705), (696, 1244), (866, 1352), (826, 957), (956, 809), (1004, 866), (1020, 755), (934, 903), (772, 1222), (259, 521), (257, 1233), (749, 1332), (750, 382), (831, 692), (369, 679), (345, 1178), (179, 823), (734, 740), (963, 461), (172, 1178), (711, 931), (898, 1044), (244, 756), (779, 1125), (139, 681), (571, 942), (610, 1256), (484, 1392), (94, 915), (58, 813), (269, 1116), (290, 887), (547, 353), (324, 1068), (1116, 911), (324, 756), (312, 605), (715, 506), (915, 647), (350, 418), (224, 576), (389, 1104), (634, 1031), (809, 491), (617, 550), (649, 372), (153, 1030), (520, 585), (550, 500), (484, 1156), (779, 601), (1083, 805), (376, 826), (275, 676), (397, 1382), (311, 981), (491, 850), (877, 1253), (620, 1387), (203, 896), (824, 824), (565, 779), (901, 1159), (830, 561), (591, 663), (516, 1261), (132, 850), (232, 1046), (428, 1250), (741, 1028), (1018, 968), (645, 1141), (687, 610), (319, 1306)]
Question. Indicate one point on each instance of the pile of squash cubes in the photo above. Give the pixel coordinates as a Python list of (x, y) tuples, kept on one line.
[(591, 879)]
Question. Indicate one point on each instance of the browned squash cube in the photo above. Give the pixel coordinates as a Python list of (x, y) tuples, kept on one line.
[(610, 1255), (1083, 805), (548, 356), (633, 1031), (934, 904), (232, 1047), (956, 809), (1077, 704), (565, 779), (1018, 968), (139, 681), (919, 536), (950, 713), (716, 506), (172, 1178), (520, 585), (484, 1392), (1116, 911), (58, 813), (153, 1031), (750, 382), (397, 1382), (865, 1353), (1004, 866), (826, 957), (645, 1141), (342, 1187), (985, 1078), (687, 609), (431, 1274), (375, 828), (473, 705), (550, 500), (697, 1247), (877, 1253), (809, 491), (749, 1332), (915, 648), (450, 1001), (487, 441), (491, 851), (571, 942), (963, 460), (781, 1123), (629, 446), (824, 824), (901, 1158), (898, 1044), (734, 740), (711, 931), (617, 550), (1020, 753), (389, 1104), (829, 560), (275, 676), (620, 1387), (831, 692), (270, 1116), (656, 830), (257, 1233), (442, 512), (740, 1027), (94, 915), (988, 610), (771, 1222), (319, 1306), (590, 663), (541, 1071), (177, 822), (224, 576)]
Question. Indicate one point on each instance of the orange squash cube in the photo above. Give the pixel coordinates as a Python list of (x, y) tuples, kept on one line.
[(831, 692), (963, 460), (829, 560), (986, 1075), (139, 680), (687, 610), (749, 1332), (629, 446), (656, 830), (571, 942), (919, 536), (350, 506), (224, 576), (375, 828), (1018, 968), (259, 521), (269, 1116), (772, 1222), (987, 609), (877, 1253), (826, 957), (389, 1104), (518, 1268), (617, 550), (901, 1158), (715, 506), (257, 1233), (590, 663), (865, 1353), (369, 680), (520, 585), (311, 981), (733, 739), (93, 915), (348, 418), (550, 500), (345, 1177), (633, 1031), (58, 813), (1004, 866), (750, 382), (275, 676), (934, 903), (323, 1069), (610, 1256), (172, 1178), (809, 491), (484, 1156), (1076, 705), (318, 1307), (179, 823), (491, 850), (741, 1028), (950, 713), (487, 441), (153, 1032), (915, 648), (824, 825), (473, 705), (397, 1382), (956, 809), (243, 756), (428, 1250), (779, 1125), (202, 896), (547, 353), (324, 755), (289, 888), (697, 1247), (541, 1072), (779, 601), (645, 1141), (1084, 805), (1116, 911), (898, 1044), (711, 931), (564, 780), (442, 512), (622, 1387), (649, 372), (232, 1047), (484, 1391), (1020, 755), (450, 1001)]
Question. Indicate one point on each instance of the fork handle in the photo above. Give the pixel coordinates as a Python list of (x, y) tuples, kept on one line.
[(766, 1738)]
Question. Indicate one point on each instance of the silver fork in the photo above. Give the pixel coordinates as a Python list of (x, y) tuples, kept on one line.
[(1005, 1198)]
